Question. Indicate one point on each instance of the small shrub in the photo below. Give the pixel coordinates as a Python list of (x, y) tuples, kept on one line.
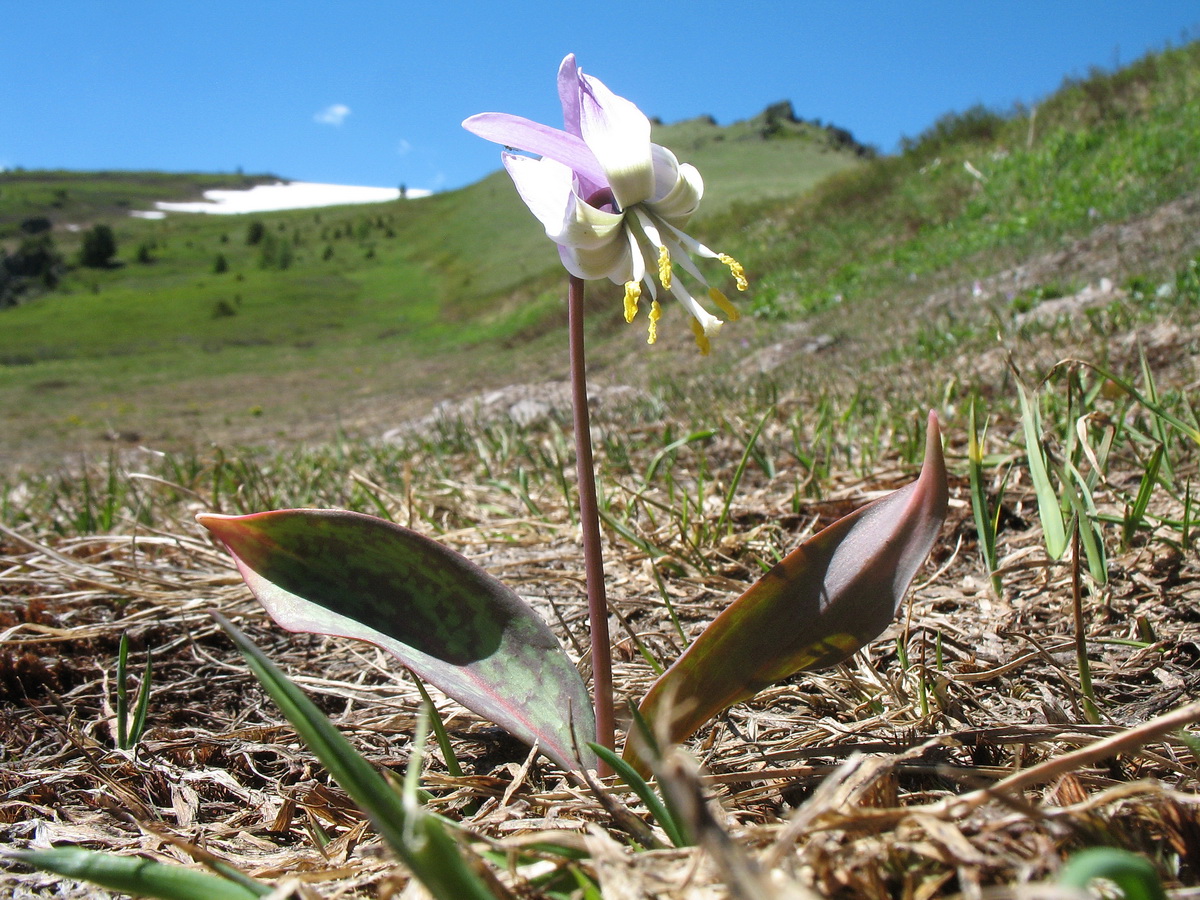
[(220, 264), (99, 247)]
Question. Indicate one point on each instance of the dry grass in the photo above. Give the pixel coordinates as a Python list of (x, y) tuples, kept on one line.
[(852, 783)]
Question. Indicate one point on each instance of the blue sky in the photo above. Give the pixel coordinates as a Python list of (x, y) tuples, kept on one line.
[(372, 93)]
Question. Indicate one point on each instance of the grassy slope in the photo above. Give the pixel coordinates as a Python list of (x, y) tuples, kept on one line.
[(65, 196), (409, 286), (377, 290)]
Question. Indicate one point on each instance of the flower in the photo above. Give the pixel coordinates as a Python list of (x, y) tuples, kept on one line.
[(614, 202)]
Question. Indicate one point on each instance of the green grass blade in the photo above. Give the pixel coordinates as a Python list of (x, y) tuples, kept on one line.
[(1149, 402), (1136, 513), (985, 524), (1084, 508), (652, 469), (741, 469), (1134, 875), (673, 828), (142, 705), (439, 732), (137, 876), (1053, 528), (1158, 426), (123, 693), (422, 845), (645, 546)]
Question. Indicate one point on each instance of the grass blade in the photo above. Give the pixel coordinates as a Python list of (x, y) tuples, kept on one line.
[(741, 469), (123, 693), (439, 731), (1053, 528), (1136, 513), (985, 523), (134, 875), (673, 828), (423, 845), (1134, 875)]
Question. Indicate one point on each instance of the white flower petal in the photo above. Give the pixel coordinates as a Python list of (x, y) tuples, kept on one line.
[(611, 261), (618, 134), (547, 187), (681, 201), (666, 171), (589, 228)]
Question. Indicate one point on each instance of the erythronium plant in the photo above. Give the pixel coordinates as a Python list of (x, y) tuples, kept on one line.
[(615, 204), (611, 200)]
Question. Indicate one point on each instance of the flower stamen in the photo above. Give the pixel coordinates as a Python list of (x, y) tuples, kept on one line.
[(736, 270), (723, 304), (701, 338), (655, 315), (633, 293), (664, 266)]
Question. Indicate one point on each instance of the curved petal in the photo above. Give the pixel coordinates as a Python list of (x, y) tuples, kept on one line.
[(682, 200), (590, 228), (666, 171), (548, 190), (568, 94), (610, 260), (533, 137), (618, 134), (547, 187)]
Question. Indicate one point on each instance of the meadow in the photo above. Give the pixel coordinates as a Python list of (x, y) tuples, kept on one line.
[(1032, 275)]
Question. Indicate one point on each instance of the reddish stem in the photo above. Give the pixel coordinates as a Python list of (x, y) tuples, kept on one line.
[(589, 517)]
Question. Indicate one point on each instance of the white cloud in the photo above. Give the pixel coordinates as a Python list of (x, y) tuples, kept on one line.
[(332, 115), (403, 147)]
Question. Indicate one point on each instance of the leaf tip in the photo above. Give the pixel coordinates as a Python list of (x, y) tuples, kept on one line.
[(213, 521)]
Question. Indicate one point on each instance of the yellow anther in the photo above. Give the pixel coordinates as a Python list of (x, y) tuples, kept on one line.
[(655, 315), (633, 293), (735, 268), (664, 267), (726, 307), (701, 338)]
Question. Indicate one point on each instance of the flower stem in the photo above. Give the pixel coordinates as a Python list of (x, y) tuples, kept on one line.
[(589, 518)]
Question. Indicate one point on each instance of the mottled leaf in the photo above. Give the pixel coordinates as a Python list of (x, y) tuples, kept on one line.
[(835, 593), (347, 574)]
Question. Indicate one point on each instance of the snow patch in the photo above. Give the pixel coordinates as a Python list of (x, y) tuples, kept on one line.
[(279, 196)]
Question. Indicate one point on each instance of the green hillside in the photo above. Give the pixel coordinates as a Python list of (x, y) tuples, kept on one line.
[(355, 316), (66, 197), (196, 299)]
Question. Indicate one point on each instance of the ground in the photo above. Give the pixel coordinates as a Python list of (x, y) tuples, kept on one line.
[(947, 757)]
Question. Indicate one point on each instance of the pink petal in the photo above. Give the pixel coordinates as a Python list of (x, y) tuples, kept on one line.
[(568, 94), (533, 137)]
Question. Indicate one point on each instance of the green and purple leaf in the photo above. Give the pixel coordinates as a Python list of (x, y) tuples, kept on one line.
[(351, 575), (832, 595)]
